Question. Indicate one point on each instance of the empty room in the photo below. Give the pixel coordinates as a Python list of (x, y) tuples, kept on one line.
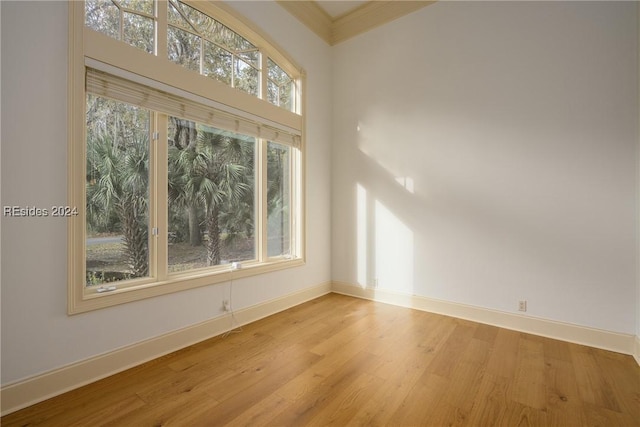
[(289, 213)]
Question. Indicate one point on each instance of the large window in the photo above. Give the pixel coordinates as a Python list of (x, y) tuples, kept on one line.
[(185, 151)]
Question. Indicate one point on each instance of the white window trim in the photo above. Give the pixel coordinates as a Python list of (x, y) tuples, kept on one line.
[(85, 46)]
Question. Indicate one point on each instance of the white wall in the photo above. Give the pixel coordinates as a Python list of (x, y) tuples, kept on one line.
[(37, 334), (485, 153)]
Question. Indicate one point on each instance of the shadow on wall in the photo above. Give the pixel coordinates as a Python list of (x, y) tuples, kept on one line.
[(422, 232)]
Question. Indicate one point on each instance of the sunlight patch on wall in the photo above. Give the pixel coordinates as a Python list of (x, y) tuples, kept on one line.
[(362, 238), (406, 182), (393, 251)]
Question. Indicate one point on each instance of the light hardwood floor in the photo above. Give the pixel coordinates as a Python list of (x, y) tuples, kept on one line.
[(344, 361)]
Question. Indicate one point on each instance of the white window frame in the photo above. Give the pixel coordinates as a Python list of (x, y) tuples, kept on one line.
[(90, 48)]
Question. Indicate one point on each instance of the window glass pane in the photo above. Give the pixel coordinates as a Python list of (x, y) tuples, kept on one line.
[(227, 57), (246, 77), (286, 96), (190, 13), (103, 16), (218, 33), (278, 200), (277, 74), (184, 48), (176, 19), (202, 23), (279, 87), (239, 45), (251, 57), (273, 93), (217, 63), (117, 191), (211, 196), (138, 31), (145, 6)]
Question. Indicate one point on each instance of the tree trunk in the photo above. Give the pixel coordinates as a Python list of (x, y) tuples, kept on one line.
[(192, 135), (195, 237), (136, 238), (185, 135), (213, 244)]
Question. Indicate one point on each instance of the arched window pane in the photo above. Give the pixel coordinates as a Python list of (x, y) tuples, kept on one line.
[(218, 63), (103, 16), (279, 86), (138, 31), (145, 6), (246, 77), (184, 48)]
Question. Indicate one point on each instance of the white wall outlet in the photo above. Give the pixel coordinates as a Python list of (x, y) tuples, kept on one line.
[(522, 306), (226, 306), (375, 282)]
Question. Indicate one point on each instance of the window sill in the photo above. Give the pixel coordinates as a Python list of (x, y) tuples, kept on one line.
[(89, 299)]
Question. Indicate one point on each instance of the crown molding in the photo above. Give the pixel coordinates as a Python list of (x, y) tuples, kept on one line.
[(371, 15), (311, 15), (362, 19)]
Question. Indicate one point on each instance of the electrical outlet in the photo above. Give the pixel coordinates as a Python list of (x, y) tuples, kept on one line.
[(226, 306), (522, 306), (375, 282)]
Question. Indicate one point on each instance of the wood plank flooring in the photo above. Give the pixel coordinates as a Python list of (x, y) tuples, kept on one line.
[(344, 361)]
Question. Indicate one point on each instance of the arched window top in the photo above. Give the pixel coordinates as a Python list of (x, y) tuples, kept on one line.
[(203, 38)]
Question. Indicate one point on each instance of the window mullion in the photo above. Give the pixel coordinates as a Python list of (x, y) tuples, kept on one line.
[(264, 75), (201, 64), (121, 17), (262, 200), (153, 181), (233, 70), (294, 198), (160, 166), (162, 29)]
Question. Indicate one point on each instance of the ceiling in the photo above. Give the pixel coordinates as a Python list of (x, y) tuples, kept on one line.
[(337, 21), (337, 8)]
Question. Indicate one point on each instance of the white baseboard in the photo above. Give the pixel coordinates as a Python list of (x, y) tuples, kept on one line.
[(620, 343), (32, 390)]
